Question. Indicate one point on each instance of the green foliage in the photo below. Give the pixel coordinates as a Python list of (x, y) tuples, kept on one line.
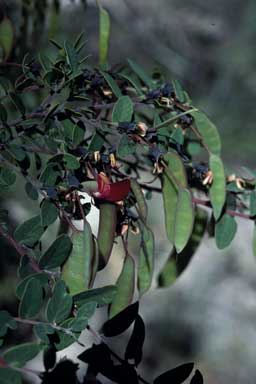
[(98, 131)]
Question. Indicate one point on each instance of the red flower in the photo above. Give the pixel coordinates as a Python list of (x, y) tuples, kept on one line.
[(112, 191)]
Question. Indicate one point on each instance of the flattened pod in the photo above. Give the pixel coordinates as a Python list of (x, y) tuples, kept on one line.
[(94, 262), (184, 219), (141, 201), (76, 271), (125, 287), (208, 131), (170, 190), (218, 187), (106, 232), (146, 260)]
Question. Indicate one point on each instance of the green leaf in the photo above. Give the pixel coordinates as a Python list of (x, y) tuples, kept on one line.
[(8, 375), (6, 321), (49, 213), (112, 83), (122, 110), (45, 62), (218, 187), (57, 253), (70, 161), (104, 34), (125, 287), (3, 113), (6, 36), (29, 232), (178, 91), (41, 277), (19, 355), (72, 58), (126, 146), (59, 305), (82, 316), (146, 260), (7, 177), (140, 199), (173, 176), (32, 299), (42, 330), (208, 131), (184, 219), (49, 175), (76, 271), (133, 82), (169, 273), (253, 203), (31, 191), (66, 338), (101, 296), (17, 102), (96, 142), (77, 135), (141, 73), (225, 230), (17, 152)]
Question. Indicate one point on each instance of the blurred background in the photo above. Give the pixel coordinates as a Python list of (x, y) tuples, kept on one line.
[(209, 314)]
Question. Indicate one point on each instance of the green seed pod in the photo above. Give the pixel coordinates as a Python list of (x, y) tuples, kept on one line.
[(106, 232), (76, 272)]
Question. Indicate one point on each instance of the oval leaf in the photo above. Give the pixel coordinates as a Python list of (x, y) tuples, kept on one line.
[(30, 231), (59, 305), (135, 344), (123, 110), (57, 253), (121, 321), (176, 375), (32, 299), (197, 378), (19, 355), (225, 230)]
